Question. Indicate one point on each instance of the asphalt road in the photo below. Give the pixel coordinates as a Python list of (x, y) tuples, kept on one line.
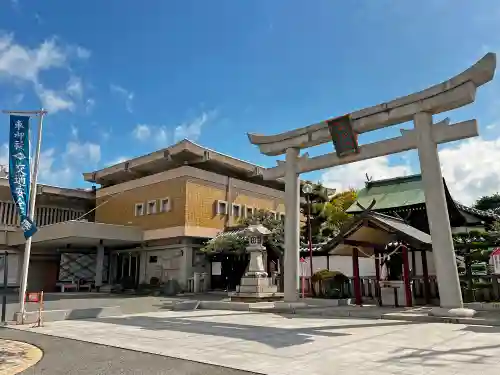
[(70, 357)]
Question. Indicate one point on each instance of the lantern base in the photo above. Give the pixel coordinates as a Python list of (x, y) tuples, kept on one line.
[(444, 312), (252, 289)]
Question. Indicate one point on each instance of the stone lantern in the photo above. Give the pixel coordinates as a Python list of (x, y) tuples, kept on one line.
[(255, 285), (256, 235)]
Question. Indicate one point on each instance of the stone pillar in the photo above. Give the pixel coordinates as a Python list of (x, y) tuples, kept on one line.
[(196, 282), (291, 271), (143, 264), (437, 214), (99, 267)]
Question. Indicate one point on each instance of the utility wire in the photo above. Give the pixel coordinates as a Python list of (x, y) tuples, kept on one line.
[(113, 196)]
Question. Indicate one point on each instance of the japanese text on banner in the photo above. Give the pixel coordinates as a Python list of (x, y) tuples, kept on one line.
[(19, 170)]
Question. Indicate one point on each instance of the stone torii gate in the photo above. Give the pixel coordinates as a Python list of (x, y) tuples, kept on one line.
[(425, 136)]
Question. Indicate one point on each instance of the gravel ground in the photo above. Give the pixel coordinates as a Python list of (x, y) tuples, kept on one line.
[(70, 357)]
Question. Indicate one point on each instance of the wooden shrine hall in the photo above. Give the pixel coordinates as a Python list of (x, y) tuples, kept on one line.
[(397, 249)]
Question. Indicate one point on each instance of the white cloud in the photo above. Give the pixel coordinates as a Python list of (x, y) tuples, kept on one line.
[(75, 158), (192, 130), (50, 174), (156, 134), (86, 152), (54, 101), (470, 168), (161, 136), (354, 175), (74, 87), (142, 132), (126, 94), (62, 170), (492, 126), (24, 64)]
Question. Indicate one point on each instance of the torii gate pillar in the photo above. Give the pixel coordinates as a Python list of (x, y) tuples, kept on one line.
[(450, 294), (292, 230)]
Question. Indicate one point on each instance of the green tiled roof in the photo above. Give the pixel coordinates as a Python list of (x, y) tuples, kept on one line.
[(391, 193)]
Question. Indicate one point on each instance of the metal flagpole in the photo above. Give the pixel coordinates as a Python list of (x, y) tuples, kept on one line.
[(31, 212)]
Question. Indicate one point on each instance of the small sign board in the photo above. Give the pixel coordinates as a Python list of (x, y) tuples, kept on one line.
[(32, 297), (343, 136)]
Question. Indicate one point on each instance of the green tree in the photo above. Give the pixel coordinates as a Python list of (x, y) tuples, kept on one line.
[(234, 241), (317, 200), (495, 227), (335, 212), (488, 202), (474, 248), (328, 213)]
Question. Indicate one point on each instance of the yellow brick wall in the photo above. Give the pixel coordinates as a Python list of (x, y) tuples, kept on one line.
[(120, 209), (259, 202), (201, 201), (193, 203)]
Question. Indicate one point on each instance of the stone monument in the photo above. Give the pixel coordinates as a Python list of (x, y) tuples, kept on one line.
[(255, 285)]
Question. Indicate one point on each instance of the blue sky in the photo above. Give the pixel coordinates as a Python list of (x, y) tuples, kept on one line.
[(121, 79)]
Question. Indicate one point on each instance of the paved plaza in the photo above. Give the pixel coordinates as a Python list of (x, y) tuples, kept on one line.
[(282, 345)]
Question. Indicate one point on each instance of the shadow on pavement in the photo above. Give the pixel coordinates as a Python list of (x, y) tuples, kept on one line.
[(482, 329), (272, 336), (443, 357)]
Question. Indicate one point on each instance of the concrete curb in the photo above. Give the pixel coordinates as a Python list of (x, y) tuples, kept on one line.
[(31, 317), (395, 316), (332, 312)]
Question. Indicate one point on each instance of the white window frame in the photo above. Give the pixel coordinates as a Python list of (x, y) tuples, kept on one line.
[(153, 210), (249, 208), (136, 207), (218, 209), (238, 207), (168, 206)]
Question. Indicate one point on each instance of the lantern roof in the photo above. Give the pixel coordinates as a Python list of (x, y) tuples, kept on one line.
[(256, 230)]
